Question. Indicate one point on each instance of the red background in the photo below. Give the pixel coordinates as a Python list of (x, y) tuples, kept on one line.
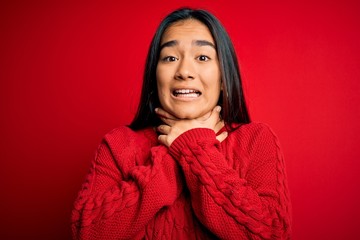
[(70, 72)]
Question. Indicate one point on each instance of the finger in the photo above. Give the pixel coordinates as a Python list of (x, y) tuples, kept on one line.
[(217, 109), (168, 121), (222, 136), (219, 125), (207, 116), (215, 115), (165, 129), (163, 140), (164, 114)]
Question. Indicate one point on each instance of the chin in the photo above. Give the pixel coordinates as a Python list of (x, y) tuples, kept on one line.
[(186, 115), (189, 112)]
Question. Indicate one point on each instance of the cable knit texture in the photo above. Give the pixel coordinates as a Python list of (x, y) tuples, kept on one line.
[(198, 188)]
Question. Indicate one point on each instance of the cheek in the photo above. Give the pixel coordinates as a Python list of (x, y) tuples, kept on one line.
[(162, 91), (212, 73), (161, 78), (162, 88), (213, 82)]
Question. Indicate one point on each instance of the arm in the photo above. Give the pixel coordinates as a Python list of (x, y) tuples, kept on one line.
[(233, 205), (119, 196)]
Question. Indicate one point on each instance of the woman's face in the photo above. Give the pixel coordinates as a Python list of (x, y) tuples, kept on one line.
[(188, 73)]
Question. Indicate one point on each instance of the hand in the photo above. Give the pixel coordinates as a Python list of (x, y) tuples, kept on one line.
[(174, 127)]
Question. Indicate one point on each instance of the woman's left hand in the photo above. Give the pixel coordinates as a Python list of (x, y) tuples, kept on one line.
[(174, 127)]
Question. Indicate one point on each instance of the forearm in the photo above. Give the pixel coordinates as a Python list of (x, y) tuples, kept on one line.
[(121, 207), (218, 192)]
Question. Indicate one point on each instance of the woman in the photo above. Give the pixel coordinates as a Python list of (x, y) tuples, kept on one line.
[(190, 165)]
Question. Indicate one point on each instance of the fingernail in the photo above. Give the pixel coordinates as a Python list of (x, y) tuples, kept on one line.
[(218, 108), (156, 109)]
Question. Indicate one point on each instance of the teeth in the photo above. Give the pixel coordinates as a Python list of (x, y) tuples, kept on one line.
[(184, 91), (187, 93)]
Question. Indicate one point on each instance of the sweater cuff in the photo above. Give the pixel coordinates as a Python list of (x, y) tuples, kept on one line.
[(191, 137)]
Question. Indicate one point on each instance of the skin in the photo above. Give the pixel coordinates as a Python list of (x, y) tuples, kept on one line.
[(188, 61)]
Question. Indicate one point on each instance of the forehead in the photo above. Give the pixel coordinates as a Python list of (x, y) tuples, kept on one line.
[(191, 29)]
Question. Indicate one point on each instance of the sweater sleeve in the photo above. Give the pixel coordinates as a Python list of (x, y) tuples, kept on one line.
[(120, 196), (233, 204)]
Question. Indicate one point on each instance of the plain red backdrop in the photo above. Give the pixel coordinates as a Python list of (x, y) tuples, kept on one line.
[(72, 71)]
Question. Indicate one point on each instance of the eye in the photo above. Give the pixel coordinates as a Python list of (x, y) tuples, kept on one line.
[(203, 58), (169, 59)]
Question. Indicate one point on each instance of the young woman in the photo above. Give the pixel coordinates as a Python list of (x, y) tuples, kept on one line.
[(191, 165)]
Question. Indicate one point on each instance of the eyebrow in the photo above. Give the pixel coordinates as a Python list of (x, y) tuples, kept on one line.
[(199, 43), (169, 44)]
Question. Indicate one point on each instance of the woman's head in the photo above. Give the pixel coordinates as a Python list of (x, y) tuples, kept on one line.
[(191, 66), (188, 75)]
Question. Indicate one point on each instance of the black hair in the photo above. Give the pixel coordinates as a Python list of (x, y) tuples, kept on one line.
[(231, 100)]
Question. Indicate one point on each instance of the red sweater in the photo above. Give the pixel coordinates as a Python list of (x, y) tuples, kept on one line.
[(198, 188)]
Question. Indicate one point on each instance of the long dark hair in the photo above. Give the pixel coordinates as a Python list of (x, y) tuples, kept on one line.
[(232, 100)]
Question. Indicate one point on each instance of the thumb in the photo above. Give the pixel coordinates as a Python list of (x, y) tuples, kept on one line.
[(215, 114), (222, 136)]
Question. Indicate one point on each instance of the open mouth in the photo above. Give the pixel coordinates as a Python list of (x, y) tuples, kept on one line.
[(190, 93)]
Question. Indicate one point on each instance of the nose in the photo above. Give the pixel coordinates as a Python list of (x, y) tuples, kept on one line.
[(185, 70)]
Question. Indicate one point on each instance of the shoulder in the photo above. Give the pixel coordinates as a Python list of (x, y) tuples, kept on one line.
[(254, 136), (124, 145), (257, 146), (253, 130), (124, 138), (127, 135), (120, 133)]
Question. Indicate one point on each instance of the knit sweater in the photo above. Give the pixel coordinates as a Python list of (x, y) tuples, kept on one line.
[(198, 188)]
